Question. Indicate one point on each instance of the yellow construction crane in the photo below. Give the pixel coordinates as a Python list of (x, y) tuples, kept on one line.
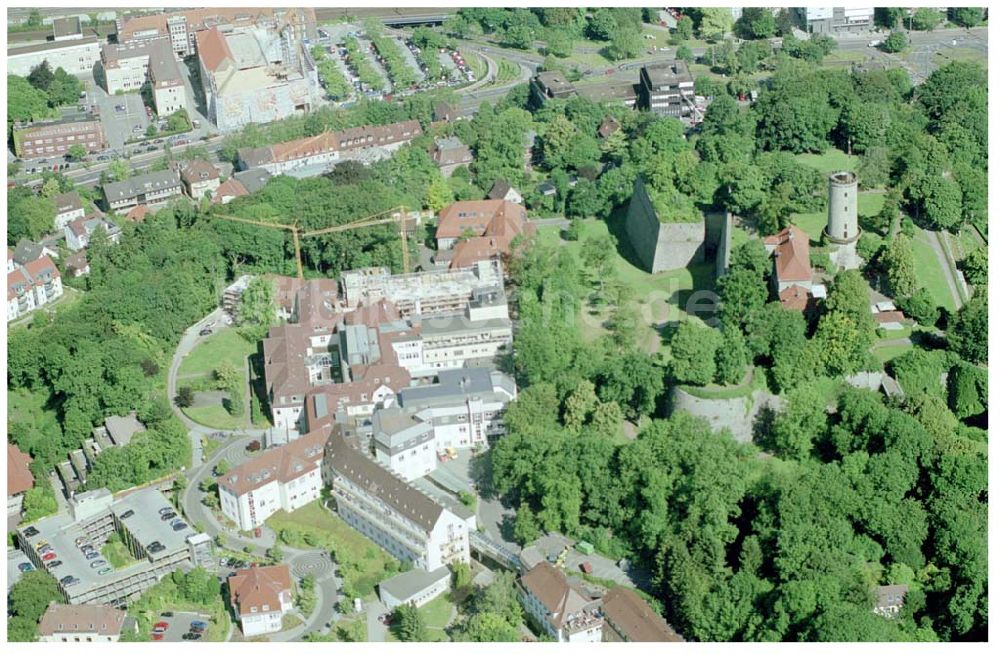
[(398, 215)]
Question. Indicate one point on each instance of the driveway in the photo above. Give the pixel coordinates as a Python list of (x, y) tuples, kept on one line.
[(376, 630), (180, 624)]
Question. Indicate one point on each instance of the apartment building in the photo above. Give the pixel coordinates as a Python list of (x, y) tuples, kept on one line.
[(19, 479), (382, 506), (69, 207), (260, 596), (83, 623), (560, 606), (471, 231), (130, 65), (315, 155), (255, 76), (56, 138), (78, 232), (154, 188), (666, 89), (341, 357), (181, 27), (284, 478), (75, 56), (158, 547), (32, 285)]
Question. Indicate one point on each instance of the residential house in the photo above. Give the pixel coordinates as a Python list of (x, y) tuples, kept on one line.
[(450, 153), (80, 231), (281, 479), (261, 596), (150, 188), (241, 183), (608, 127), (792, 272), (479, 230), (77, 264), (19, 479), (81, 623), (628, 618), (69, 207), (409, 524), (119, 429), (889, 599), (199, 177), (502, 190), (560, 606)]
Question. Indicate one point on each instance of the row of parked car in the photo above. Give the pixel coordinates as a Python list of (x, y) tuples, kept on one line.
[(91, 554)]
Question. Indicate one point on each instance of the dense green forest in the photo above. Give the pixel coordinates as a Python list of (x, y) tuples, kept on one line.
[(787, 537)]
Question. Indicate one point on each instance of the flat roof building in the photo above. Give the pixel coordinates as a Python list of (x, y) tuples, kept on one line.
[(75, 56), (50, 139), (158, 546), (666, 89)]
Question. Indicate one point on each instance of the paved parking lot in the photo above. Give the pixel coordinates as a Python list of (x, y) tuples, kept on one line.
[(120, 126), (14, 559), (180, 624)]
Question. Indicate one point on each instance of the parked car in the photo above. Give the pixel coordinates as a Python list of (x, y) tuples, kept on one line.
[(30, 532), (198, 624), (161, 626), (91, 555), (167, 516), (205, 332), (167, 614), (180, 525), (48, 556), (25, 567), (191, 636), (254, 446), (98, 563), (119, 107), (40, 544), (126, 515), (53, 564), (104, 571)]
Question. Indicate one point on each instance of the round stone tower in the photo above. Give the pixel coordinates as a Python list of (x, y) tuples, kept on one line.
[(842, 221)]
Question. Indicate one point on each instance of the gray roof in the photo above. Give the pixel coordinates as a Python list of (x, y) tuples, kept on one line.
[(253, 180), (254, 157), (121, 429), (451, 383), (395, 429), (668, 73), (27, 251), (365, 473), (134, 186), (51, 45), (407, 584)]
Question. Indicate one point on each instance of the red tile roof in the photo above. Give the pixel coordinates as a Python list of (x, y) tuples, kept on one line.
[(795, 297), (229, 188), (634, 619), (282, 464), (17, 283), (41, 268), (212, 49), (494, 223), (791, 255), (255, 588), (19, 477)]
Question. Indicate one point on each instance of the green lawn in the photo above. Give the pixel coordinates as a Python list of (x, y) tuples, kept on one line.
[(215, 417), (930, 274), (658, 298), (115, 553), (830, 161), (885, 353), (436, 615), (363, 563), (226, 345), (813, 224)]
